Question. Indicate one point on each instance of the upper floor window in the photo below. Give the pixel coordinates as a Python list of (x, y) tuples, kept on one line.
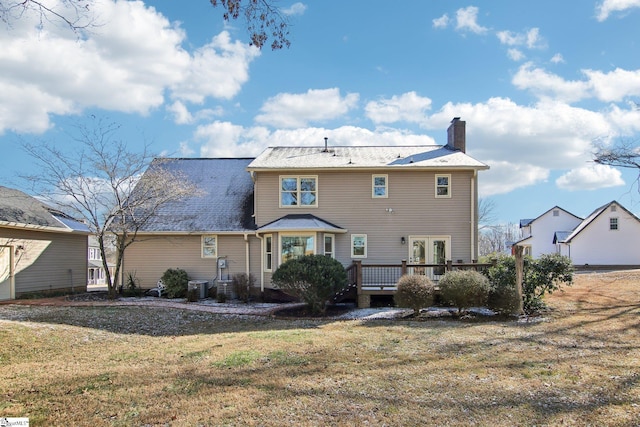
[(298, 191), (379, 186), (556, 212), (443, 185), (209, 246), (94, 254), (613, 223)]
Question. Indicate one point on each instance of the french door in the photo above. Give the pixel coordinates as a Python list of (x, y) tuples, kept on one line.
[(429, 250)]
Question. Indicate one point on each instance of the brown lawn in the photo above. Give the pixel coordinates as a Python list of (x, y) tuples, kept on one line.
[(122, 366)]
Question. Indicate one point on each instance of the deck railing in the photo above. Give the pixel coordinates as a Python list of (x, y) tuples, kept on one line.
[(381, 279)]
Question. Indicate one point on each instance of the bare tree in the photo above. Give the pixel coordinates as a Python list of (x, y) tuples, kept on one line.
[(486, 213), (263, 19), (494, 238), (102, 183), (624, 154)]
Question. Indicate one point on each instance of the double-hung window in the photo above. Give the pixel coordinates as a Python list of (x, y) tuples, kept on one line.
[(379, 186), (613, 223), (209, 246), (358, 246), (329, 245), (443, 186), (298, 191)]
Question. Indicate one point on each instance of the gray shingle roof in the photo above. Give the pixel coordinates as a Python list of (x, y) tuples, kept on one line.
[(352, 157), (225, 206), (20, 209), (301, 222)]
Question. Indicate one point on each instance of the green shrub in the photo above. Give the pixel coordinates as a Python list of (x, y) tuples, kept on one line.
[(503, 297), (242, 284), (464, 289), (540, 277), (414, 291), (312, 278), (176, 281)]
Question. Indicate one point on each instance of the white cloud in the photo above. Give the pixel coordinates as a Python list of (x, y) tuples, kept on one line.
[(534, 40), (218, 69), (557, 58), (592, 177), (291, 110), (504, 177), (606, 7), (467, 20), (295, 9), (407, 107), (223, 139), (441, 22), (531, 39), (548, 85), (615, 85), (509, 38), (182, 116), (128, 64), (515, 54)]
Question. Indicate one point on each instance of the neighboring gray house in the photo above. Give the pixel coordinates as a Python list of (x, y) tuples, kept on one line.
[(377, 205), (41, 249)]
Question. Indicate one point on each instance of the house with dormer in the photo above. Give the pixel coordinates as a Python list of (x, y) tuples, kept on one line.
[(373, 204), (608, 236)]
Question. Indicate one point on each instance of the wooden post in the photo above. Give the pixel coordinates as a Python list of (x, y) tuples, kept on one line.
[(449, 265), (519, 277), (404, 267)]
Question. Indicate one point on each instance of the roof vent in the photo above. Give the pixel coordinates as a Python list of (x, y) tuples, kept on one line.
[(326, 145)]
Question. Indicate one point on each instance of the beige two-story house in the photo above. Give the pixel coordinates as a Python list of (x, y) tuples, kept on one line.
[(373, 204)]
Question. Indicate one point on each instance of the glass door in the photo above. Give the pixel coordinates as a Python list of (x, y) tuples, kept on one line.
[(429, 250)]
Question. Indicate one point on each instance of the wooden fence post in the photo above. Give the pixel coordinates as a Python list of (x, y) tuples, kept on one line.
[(519, 277), (404, 267)]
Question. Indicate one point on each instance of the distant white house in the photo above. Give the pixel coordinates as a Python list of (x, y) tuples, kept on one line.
[(609, 236), (96, 274), (538, 233)]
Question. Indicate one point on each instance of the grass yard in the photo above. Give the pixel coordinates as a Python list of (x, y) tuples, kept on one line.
[(123, 366)]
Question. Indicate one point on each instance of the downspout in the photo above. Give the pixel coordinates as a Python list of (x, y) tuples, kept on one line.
[(246, 253), (261, 261)]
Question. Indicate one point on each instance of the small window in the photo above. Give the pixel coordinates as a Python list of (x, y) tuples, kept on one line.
[(613, 208), (209, 246), (268, 253), (379, 186), (443, 186), (613, 223), (556, 212), (329, 246), (358, 246)]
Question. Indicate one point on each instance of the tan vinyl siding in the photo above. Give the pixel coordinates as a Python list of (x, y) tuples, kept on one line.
[(345, 200), (47, 261), (151, 256)]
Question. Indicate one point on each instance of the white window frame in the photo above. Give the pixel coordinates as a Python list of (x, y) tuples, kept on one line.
[(303, 234), (298, 191), (614, 224), (448, 186), (385, 186), (363, 239), (332, 252), (204, 246), (268, 252)]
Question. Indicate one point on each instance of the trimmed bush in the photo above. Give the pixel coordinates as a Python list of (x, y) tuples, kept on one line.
[(414, 291), (464, 289), (312, 278), (176, 281), (242, 285)]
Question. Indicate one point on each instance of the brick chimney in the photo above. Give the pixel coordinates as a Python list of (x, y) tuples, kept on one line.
[(456, 135)]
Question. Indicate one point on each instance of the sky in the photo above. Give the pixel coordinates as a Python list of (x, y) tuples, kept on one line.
[(539, 84)]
